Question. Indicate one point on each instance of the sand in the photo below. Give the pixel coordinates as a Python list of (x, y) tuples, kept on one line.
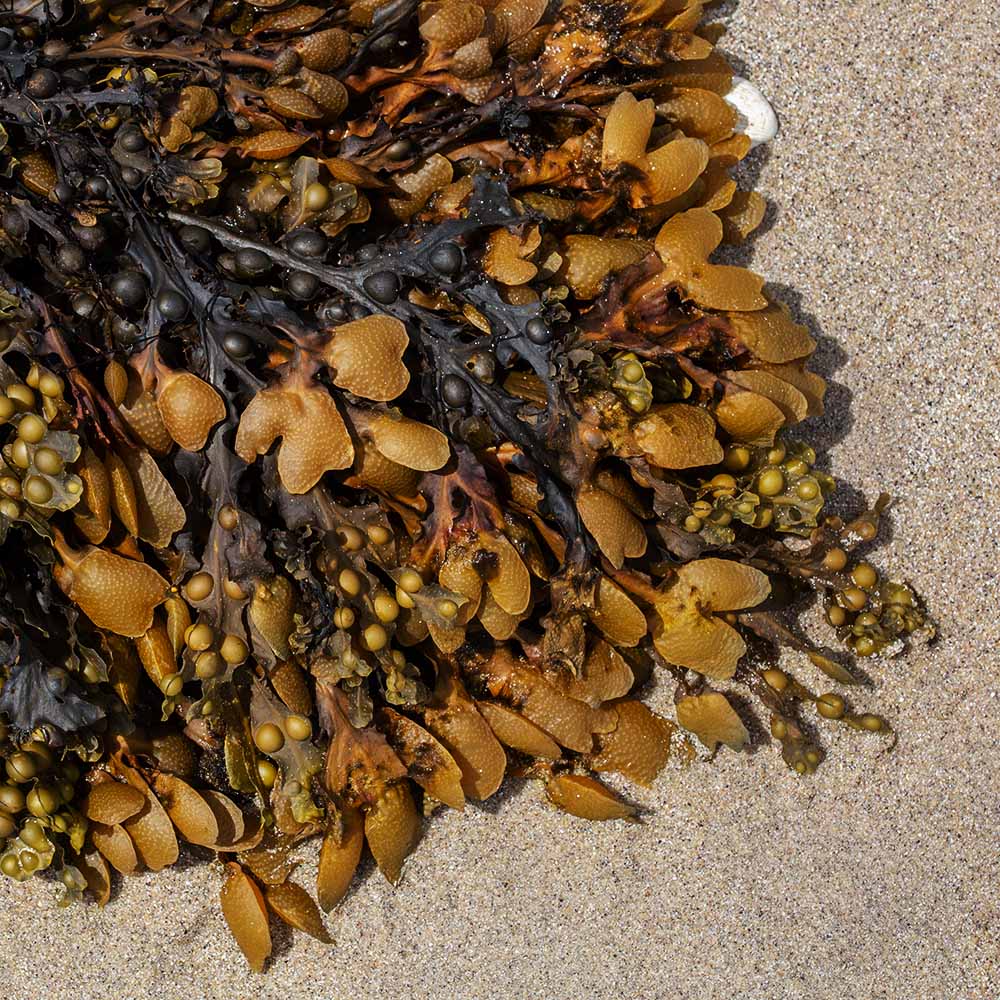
[(877, 877)]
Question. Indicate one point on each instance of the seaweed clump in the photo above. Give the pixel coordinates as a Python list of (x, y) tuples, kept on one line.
[(374, 423)]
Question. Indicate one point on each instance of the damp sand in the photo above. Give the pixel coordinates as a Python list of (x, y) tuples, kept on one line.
[(875, 879)]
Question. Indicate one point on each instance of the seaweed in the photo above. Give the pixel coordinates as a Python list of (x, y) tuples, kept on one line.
[(376, 419)]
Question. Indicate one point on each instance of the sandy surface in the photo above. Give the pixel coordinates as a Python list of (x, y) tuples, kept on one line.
[(878, 877)]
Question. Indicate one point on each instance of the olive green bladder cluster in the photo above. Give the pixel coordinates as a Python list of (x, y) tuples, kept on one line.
[(377, 419)]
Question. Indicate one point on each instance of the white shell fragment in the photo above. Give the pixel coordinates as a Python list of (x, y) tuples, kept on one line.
[(757, 117)]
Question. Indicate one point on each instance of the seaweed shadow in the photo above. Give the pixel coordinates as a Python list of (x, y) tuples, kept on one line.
[(836, 422), (837, 419), (754, 720), (511, 789), (282, 939)]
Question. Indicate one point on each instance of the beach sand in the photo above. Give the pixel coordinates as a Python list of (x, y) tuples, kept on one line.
[(877, 877)]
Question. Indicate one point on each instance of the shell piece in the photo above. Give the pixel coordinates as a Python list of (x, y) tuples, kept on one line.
[(116, 593), (637, 747), (117, 846), (193, 816), (190, 409), (617, 531), (678, 436), (392, 828), (112, 802), (587, 798), (367, 356), (515, 731), (712, 719), (246, 914), (296, 907), (314, 436), (756, 116), (339, 857)]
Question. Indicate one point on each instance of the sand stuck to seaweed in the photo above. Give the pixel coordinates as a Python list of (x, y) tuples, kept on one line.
[(876, 878)]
